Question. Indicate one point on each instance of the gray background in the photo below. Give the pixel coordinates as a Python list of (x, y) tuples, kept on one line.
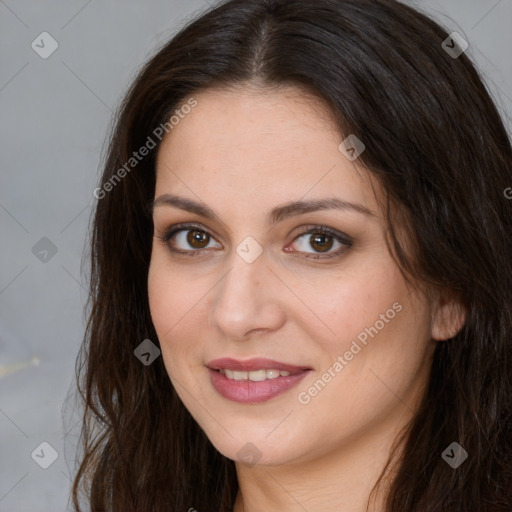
[(55, 113)]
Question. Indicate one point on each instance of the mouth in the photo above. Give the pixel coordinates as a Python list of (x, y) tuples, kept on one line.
[(255, 364), (254, 380)]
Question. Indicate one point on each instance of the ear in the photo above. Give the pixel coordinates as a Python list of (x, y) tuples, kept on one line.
[(448, 316)]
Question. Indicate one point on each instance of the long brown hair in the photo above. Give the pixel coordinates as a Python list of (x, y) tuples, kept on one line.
[(433, 138)]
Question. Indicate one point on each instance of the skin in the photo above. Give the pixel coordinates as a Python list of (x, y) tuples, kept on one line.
[(243, 152)]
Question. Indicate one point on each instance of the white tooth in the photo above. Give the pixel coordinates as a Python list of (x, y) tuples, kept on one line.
[(257, 375)]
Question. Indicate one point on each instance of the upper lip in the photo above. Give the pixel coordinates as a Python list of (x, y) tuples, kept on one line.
[(254, 364)]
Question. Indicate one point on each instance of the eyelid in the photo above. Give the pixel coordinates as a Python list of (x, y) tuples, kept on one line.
[(318, 228)]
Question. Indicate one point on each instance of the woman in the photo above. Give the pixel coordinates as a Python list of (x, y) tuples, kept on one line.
[(301, 282)]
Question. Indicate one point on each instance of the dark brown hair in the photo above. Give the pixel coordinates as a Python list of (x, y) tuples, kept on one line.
[(435, 141)]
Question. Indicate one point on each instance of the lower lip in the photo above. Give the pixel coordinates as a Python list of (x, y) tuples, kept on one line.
[(248, 391)]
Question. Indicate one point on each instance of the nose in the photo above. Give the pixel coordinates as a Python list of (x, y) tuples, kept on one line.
[(247, 300)]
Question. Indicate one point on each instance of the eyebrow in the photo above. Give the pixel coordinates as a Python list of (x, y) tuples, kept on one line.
[(277, 214)]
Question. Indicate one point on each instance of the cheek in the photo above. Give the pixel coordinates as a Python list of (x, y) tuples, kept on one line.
[(172, 296), (376, 363), (355, 301), (178, 310), (378, 327), (171, 306), (162, 297)]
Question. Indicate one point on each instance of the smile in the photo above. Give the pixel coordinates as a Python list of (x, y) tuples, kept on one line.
[(253, 381)]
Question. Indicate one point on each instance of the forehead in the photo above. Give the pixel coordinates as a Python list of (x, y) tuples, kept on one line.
[(283, 142), (250, 116)]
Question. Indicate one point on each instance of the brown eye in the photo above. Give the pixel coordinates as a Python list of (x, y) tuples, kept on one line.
[(188, 239), (197, 238), (321, 242), (321, 239)]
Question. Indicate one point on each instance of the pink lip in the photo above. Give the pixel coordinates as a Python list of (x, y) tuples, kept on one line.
[(247, 391)]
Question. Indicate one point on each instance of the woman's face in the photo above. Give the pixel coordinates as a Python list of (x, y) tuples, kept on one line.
[(253, 275)]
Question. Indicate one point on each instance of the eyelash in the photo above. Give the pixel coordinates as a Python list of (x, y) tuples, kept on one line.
[(345, 240)]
